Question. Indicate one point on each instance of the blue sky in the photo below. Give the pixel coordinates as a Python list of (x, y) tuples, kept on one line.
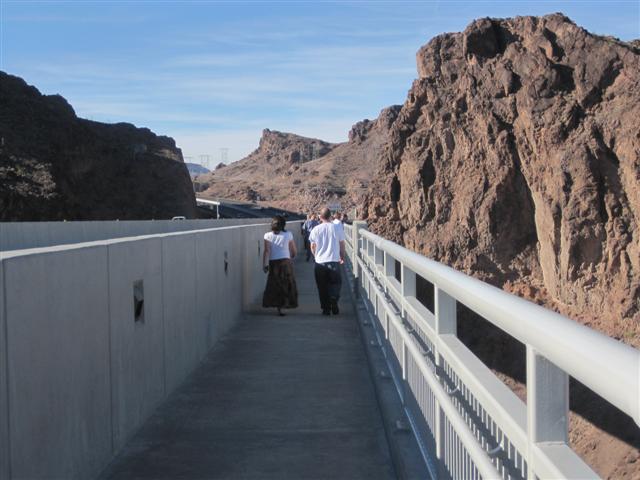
[(214, 74)]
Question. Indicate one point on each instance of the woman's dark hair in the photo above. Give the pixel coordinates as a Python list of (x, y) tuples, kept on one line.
[(277, 224)]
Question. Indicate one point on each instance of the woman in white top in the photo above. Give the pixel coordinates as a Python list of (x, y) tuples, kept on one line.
[(279, 249)]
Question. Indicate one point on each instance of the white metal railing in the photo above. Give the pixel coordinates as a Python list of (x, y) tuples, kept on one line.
[(468, 423)]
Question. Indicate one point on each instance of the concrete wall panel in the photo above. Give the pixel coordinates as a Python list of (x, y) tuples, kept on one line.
[(137, 346), (81, 374), (4, 407), (209, 277), (219, 240), (23, 235), (179, 293), (232, 286), (254, 278), (58, 349)]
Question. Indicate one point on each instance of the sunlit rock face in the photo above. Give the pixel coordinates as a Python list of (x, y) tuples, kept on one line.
[(56, 166), (516, 158), (303, 174)]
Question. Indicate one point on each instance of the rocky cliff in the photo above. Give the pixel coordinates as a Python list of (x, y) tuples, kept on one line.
[(56, 166), (266, 173), (516, 157), (299, 173)]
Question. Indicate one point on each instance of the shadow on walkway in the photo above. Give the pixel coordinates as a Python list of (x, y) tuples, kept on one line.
[(277, 398)]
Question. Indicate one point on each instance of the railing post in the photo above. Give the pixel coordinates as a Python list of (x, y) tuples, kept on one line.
[(408, 289), (355, 245), (378, 259), (403, 390), (389, 265), (445, 312), (547, 404), (446, 323), (408, 283), (370, 250)]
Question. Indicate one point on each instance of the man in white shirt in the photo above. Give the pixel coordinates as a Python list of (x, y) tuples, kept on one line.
[(327, 246), (337, 220)]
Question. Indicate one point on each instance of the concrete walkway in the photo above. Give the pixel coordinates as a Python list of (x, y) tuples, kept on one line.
[(278, 398)]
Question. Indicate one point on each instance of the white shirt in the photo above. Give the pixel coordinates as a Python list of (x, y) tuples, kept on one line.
[(327, 237), (339, 224), (279, 244)]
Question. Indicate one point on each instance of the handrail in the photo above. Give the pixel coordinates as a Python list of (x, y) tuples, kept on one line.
[(608, 367), (521, 440), (480, 456)]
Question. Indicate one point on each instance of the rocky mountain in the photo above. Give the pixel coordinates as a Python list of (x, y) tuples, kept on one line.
[(196, 169), (264, 173), (56, 166), (299, 173), (516, 158)]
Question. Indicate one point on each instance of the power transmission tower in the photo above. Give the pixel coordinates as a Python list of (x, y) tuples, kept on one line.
[(224, 154)]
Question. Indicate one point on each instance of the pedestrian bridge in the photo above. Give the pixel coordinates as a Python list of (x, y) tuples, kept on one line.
[(130, 351)]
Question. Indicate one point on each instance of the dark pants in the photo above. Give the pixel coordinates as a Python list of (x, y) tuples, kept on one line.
[(329, 281), (307, 246)]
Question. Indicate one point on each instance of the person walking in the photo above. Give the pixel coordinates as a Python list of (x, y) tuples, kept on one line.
[(306, 231), (281, 290), (327, 246), (337, 220)]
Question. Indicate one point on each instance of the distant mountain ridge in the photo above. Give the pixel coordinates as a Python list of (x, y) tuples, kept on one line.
[(196, 169), (300, 173)]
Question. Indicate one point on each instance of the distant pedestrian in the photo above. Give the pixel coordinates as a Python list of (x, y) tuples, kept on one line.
[(281, 290), (337, 221), (306, 231), (327, 246)]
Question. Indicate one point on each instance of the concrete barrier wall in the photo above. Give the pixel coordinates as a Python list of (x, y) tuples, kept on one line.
[(23, 235), (179, 294), (80, 372), (137, 347), (57, 315), (4, 409)]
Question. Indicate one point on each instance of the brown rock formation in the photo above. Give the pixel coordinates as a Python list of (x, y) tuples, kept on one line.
[(516, 158), (55, 166), (300, 174)]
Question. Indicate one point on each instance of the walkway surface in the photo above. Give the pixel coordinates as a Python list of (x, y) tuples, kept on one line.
[(278, 398)]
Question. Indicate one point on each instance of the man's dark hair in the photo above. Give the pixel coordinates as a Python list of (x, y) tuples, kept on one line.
[(325, 214), (277, 224)]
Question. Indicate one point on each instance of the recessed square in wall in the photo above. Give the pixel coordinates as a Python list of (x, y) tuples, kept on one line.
[(138, 301)]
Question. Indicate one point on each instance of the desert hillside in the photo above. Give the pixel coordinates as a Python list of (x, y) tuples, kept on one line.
[(299, 173), (56, 166)]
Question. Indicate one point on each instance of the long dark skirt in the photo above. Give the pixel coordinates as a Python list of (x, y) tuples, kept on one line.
[(281, 290)]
